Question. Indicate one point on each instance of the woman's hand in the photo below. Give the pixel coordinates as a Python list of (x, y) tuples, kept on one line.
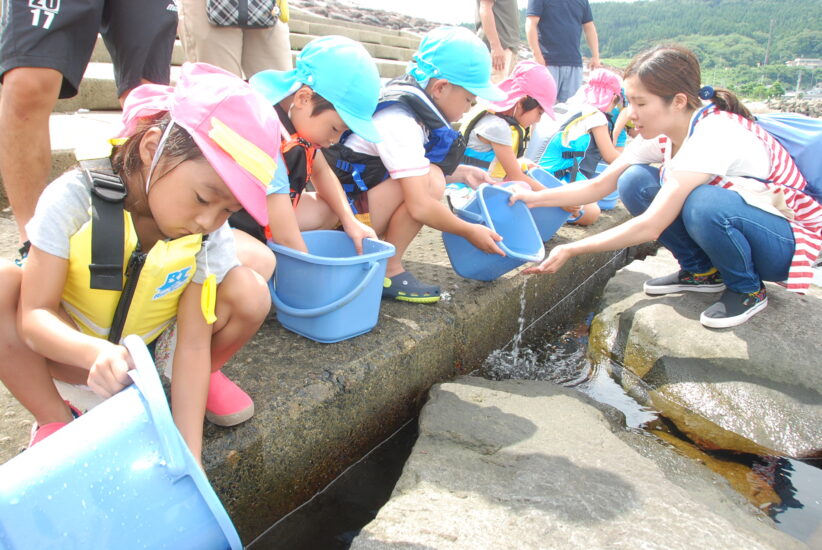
[(525, 195), (555, 260), (109, 372)]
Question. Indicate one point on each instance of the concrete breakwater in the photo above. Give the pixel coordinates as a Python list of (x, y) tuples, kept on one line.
[(320, 407)]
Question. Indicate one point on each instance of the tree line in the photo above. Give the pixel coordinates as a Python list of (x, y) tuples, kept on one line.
[(741, 44)]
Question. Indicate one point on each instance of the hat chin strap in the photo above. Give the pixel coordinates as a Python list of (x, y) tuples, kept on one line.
[(158, 153)]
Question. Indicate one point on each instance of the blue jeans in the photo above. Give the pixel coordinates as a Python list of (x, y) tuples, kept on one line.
[(717, 228)]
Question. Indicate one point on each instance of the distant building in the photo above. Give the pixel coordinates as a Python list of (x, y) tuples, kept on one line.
[(810, 62)]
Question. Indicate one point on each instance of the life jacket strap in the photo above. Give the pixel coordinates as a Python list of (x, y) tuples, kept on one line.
[(107, 230)]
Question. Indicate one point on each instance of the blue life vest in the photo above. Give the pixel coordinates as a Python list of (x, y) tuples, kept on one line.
[(359, 172)]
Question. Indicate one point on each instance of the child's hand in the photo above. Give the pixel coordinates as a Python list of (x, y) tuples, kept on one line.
[(358, 231), (555, 260), (574, 210), (484, 239), (109, 373), (474, 176)]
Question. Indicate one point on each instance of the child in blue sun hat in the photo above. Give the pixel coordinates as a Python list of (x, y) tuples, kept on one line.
[(334, 88), (399, 181)]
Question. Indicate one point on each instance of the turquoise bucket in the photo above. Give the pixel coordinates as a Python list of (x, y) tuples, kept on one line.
[(548, 218), (521, 241), (330, 293), (120, 476)]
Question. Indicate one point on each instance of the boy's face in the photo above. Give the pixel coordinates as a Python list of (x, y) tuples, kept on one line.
[(323, 129), (454, 101)]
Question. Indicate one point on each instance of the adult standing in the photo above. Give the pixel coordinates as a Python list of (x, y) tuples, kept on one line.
[(210, 34), (553, 29), (497, 24), (45, 46)]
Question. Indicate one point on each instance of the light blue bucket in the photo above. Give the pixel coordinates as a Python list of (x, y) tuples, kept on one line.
[(520, 238), (608, 202), (330, 293), (548, 218), (120, 476)]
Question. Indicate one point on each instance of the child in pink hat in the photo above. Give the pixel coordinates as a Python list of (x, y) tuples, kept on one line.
[(497, 133), (137, 243)]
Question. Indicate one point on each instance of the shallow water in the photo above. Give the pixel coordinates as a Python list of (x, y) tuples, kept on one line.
[(562, 360)]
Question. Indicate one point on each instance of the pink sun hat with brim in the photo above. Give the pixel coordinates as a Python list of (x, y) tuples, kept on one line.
[(601, 87), (528, 79), (232, 124)]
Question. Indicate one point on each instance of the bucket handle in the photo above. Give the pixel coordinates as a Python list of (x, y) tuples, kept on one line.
[(476, 218), (322, 310), (148, 382)]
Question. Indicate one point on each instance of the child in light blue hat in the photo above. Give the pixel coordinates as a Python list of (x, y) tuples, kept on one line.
[(334, 88), (400, 181)]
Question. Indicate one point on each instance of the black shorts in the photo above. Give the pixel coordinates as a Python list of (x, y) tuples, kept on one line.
[(60, 35)]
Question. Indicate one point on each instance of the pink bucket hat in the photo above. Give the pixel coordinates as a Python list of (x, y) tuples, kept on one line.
[(234, 126), (528, 79), (601, 87)]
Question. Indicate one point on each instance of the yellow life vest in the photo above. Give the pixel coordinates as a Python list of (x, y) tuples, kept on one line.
[(152, 288)]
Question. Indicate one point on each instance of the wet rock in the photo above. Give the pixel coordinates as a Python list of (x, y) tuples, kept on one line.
[(524, 464), (753, 388)]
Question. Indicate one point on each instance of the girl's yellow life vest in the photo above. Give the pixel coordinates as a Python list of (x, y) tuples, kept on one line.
[(168, 269), (517, 138)]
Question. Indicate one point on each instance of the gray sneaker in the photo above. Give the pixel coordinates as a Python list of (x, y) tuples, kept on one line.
[(734, 308), (684, 281)]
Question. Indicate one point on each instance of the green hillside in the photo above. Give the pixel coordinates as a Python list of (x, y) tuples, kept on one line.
[(731, 38)]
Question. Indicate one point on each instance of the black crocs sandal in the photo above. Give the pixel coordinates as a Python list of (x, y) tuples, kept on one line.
[(406, 288)]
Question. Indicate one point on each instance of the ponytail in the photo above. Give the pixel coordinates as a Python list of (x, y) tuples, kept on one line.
[(726, 100)]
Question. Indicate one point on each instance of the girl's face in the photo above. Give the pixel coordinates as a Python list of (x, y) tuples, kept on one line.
[(529, 118), (323, 129), (650, 113), (190, 198)]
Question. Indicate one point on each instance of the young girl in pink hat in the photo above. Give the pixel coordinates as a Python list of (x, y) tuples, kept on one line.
[(581, 131), (497, 135), (137, 243)]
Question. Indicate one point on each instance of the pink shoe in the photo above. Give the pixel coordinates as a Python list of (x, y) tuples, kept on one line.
[(227, 404), (39, 433)]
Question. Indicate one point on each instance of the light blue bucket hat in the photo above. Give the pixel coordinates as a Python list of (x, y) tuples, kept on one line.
[(341, 71), (460, 57)]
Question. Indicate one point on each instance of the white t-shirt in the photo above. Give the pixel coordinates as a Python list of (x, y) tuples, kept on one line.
[(402, 149), (64, 207), (719, 146), (492, 128)]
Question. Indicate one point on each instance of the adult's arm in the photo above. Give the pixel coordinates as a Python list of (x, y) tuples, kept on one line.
[(664, 209), (590, 31), (489, 26), (532, 34)]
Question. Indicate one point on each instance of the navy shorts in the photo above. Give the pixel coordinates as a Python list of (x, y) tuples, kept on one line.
[(60, 35)]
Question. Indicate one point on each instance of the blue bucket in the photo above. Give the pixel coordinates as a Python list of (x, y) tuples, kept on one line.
[(609, 201), (331, 293), (548, 218), (120, 476), (520, 239)]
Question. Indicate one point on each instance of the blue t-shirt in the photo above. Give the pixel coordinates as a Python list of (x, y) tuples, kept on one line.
[(560, 28)]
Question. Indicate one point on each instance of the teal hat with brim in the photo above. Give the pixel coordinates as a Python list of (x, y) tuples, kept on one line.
[(341, 71), (458, 56)]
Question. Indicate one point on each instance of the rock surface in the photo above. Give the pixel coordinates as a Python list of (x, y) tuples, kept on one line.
[(752, 388), (518, 464)]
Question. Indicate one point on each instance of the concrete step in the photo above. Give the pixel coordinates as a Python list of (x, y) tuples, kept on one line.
[(80, 134), (372, 35), (377, 51), (98, 93), (101, 55), (299, 17)]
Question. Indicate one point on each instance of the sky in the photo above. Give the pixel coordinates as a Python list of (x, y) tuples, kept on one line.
[(444, 11)]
